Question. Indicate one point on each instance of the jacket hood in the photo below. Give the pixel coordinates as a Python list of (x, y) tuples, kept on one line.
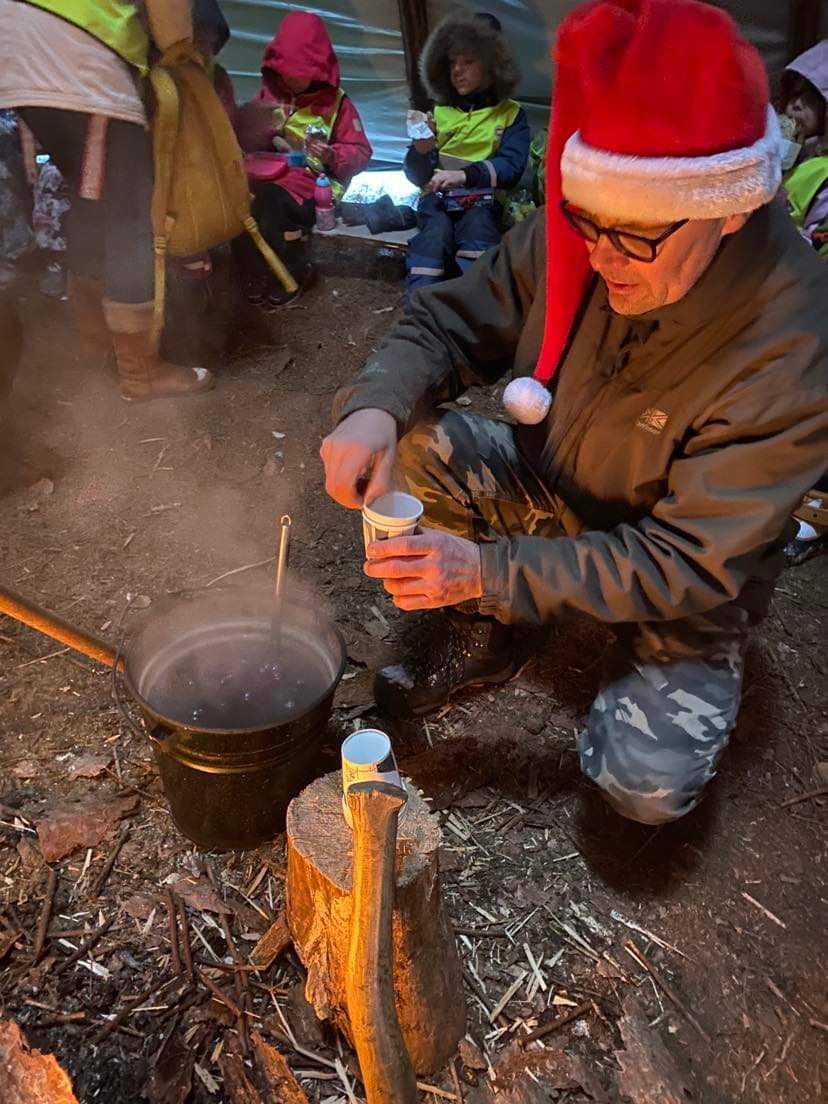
[(477, 36), (301, 48), (207, 16), (813, 66)]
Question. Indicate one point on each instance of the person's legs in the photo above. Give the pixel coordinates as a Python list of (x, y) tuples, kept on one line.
[(472, 481), (664, 716), (128, 275), (126, 202), (475, 233), (109, 244), (63, 135), (430, 250)]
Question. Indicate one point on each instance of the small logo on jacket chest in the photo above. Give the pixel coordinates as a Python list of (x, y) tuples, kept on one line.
[(653, 420)]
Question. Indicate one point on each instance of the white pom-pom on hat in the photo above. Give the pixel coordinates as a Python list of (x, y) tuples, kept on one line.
[(527, 400)]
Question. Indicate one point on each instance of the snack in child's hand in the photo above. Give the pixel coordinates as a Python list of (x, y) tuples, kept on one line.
[(789, 147), (418, 125), (788, 127)]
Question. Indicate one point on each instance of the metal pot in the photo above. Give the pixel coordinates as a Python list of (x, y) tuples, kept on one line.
[(236, 707)]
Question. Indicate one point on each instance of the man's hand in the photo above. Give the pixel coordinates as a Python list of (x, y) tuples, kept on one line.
[(363, 444), (321, 151), (424, 145), (445, 179), (427, 571)]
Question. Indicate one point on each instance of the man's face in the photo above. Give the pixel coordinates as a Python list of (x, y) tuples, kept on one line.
[(296, 85), (636, 287), (467, 74)]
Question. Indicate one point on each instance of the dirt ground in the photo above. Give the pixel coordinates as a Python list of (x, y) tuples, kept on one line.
[(103, 504)]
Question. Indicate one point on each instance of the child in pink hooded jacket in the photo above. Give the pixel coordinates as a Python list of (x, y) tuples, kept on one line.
[(299, 108)]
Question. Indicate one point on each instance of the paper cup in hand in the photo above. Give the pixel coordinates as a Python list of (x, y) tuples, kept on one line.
[(367, 756), (394, 514)]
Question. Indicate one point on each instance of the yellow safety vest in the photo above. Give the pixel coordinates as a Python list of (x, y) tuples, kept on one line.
[(464, 137), (114, 22), (294, 132)]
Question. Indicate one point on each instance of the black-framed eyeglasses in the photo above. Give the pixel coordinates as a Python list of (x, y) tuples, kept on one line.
[(635, 246)]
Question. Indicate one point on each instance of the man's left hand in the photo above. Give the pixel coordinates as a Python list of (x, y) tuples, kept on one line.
[(428, 570), (322, 152), (446, 179)]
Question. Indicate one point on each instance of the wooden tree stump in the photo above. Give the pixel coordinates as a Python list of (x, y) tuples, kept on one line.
[(428, 979)]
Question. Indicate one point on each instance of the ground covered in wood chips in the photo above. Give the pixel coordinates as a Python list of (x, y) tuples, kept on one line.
[(691, 957)]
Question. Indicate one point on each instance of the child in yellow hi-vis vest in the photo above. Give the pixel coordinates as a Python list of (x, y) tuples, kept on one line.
[(804, 102), (478, 149)]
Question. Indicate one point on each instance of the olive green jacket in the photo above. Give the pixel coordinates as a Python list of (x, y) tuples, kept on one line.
[(673, 465)]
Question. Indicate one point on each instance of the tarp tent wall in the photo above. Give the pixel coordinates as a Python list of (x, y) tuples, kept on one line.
[(368, 42)]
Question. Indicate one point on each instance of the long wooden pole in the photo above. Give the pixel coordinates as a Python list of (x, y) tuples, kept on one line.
[(414, 27), (386, 1068), (803, 26), (21, 609)]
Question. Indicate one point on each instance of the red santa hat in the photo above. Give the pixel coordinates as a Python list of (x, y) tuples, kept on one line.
[(660, 113)]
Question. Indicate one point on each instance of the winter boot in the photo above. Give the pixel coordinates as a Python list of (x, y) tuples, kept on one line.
[(86, 299), (296, 253), (143, 374), (811, 517), (304, 274), (446, 652)]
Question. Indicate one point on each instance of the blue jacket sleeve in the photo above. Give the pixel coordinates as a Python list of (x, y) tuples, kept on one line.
[(506, 167), (419, 167)]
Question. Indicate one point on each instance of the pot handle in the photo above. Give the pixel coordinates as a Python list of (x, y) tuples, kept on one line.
[(117, 696)]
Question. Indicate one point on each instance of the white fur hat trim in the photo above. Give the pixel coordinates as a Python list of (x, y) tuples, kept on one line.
[(652, 190), (527, 400)]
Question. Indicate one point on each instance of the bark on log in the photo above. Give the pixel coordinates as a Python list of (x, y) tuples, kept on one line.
[(427, 976)]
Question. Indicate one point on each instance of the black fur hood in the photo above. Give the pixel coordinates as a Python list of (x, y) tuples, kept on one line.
[(478, 37)]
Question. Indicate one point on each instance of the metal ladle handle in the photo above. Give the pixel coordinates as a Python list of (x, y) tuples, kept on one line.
[(283, 554)]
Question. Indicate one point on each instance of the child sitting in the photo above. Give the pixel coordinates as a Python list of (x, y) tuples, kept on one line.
[(804, 110), (480, 147), (804, 95), (300, 107)]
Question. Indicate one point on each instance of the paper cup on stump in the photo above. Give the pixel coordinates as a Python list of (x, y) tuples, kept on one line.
[(367, 756), (394, 514)]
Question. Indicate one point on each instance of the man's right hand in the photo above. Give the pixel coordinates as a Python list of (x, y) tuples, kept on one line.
[(361, 447)]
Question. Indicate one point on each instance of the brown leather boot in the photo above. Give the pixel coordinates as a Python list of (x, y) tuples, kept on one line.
[(86, 298), (143, 374)]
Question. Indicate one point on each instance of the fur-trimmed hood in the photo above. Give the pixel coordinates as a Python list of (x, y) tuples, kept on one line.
[(476, 36)]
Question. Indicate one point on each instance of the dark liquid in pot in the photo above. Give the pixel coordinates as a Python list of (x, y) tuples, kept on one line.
[(217, 686)]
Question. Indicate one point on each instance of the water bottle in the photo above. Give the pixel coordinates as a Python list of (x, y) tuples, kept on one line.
[(323, 200)]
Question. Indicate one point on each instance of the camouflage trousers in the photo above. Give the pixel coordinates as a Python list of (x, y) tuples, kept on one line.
[(671, 693)]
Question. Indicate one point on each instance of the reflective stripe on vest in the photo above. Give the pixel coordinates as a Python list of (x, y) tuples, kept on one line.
[(115, 23), (464, 137), (298, 123)]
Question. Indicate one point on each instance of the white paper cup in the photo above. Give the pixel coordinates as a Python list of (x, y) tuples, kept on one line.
[(395, 514), (367, 756)]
